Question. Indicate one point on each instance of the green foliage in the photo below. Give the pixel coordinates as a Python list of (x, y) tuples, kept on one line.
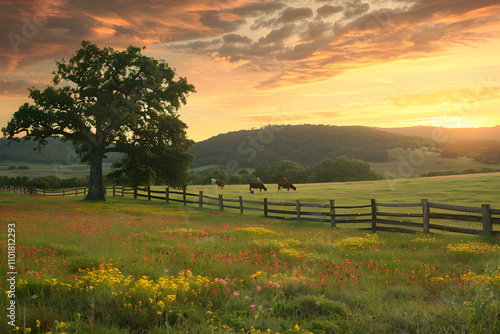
[(460, 172), (485, 151), (310, 306), (219, 174), (339, 170)]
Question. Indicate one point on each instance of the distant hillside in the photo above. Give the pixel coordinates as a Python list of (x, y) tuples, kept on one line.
[(304, 144), (448, 134)]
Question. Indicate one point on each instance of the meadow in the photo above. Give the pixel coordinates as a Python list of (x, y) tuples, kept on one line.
[(473, 190), (407, 163), (134, 266)]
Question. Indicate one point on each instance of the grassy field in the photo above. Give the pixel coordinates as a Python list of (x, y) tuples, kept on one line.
[(406, 163), (130, 266), (474, 190)]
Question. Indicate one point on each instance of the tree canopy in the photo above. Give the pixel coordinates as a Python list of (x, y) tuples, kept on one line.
[(105, 101), (341, 169)]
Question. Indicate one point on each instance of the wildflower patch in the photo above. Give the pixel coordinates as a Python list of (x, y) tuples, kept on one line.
[(258, 231), (369, 240), (474, 248)]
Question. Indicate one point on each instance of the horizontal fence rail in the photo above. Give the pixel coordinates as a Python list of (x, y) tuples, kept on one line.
[(375, 216)]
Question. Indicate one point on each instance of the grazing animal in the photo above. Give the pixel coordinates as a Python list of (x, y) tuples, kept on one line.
[(213, 181), (285, 184), (257, 185), (220, 183)]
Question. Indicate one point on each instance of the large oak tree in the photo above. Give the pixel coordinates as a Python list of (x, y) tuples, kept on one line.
[(102, 101)]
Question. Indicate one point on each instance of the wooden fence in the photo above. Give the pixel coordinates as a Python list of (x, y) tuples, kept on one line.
[(422, 216)]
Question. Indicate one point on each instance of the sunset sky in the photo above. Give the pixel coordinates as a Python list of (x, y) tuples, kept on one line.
[(374, 63)]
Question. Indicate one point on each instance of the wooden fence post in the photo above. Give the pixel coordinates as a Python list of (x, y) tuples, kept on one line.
[(374, 216), (167, 195), (486, 212), (84, 192), (43, 191), (333, 223), (184, 195), (200, 199), (64, 192), (114, 190), (76, 192), (221, 203), (265, 207), (297, 207), (123, 191), (425, 215), (241, 205), (149, 193), (135, 192)]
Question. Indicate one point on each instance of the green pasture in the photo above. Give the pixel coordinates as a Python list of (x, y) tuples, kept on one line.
[(473, 190), (407, 163)]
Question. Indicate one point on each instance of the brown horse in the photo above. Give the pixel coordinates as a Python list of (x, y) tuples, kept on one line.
[(257, 185), (285, 184)]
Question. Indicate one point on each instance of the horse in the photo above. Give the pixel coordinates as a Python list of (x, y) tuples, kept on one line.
[(257, 185), (285, 184)]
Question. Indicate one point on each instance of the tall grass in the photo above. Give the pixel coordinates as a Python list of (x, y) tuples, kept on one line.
[(145, 267)]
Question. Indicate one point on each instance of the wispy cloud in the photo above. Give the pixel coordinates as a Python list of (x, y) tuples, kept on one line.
[(16, 88), (308, 48), (308, 41), (234, 51)]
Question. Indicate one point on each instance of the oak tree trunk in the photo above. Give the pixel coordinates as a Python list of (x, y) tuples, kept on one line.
[(96, 187)]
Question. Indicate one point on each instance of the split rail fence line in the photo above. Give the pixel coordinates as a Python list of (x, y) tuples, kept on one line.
[(479, 220)]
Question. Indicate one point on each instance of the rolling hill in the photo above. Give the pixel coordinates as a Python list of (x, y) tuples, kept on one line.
[(304, 144)]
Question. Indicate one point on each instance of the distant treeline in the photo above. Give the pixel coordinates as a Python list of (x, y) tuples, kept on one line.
[(460, 172), (339, 170), (18, 167), (46, 182), (485, 151)]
